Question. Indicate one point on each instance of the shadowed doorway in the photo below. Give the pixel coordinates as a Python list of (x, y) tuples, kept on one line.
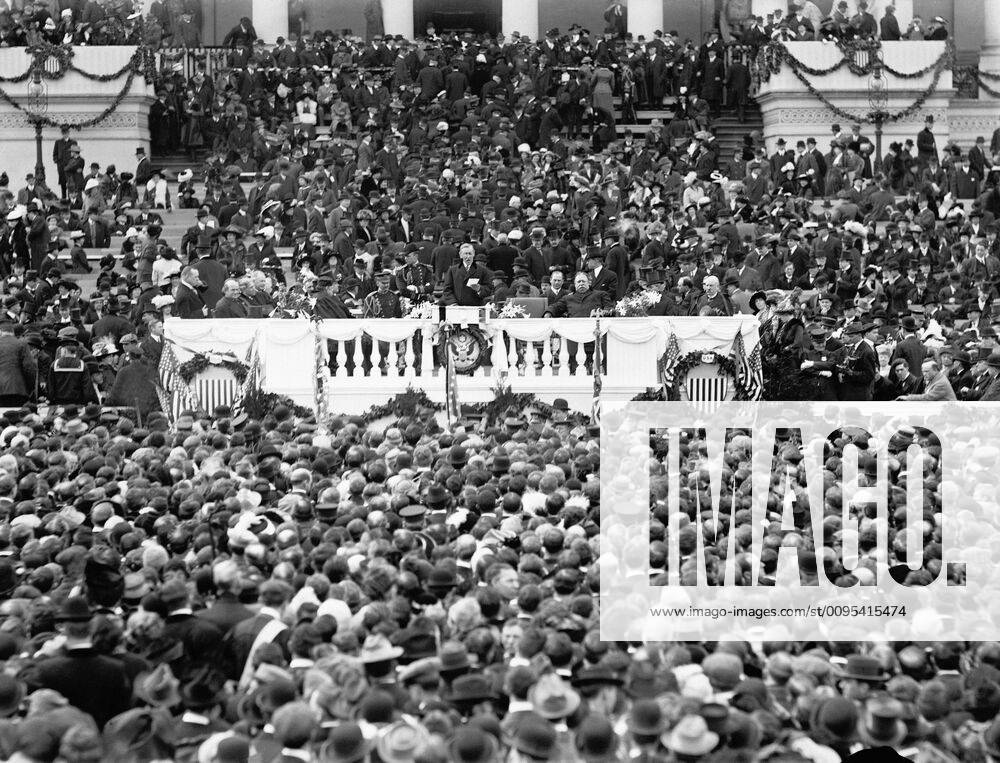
[(476, 16)]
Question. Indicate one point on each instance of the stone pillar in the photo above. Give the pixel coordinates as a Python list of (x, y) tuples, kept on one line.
[(644, 17), (270, 19), (520, 16), (989, 56), (397, 17)]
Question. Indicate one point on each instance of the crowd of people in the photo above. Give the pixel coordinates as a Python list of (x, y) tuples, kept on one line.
[(224, 587)]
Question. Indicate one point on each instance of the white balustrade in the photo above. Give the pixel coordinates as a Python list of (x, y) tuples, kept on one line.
[(288, 355)]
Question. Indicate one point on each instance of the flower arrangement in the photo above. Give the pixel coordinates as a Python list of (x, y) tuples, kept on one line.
[(292, 304), (636, 305), (425, 311), (510, 310)]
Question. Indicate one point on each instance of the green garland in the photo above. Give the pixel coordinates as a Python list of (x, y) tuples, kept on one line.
[(403, 405), (141, 62), (989, 90), (775, 53), (49, 122), (650, 394), (918, 104), (257, 404), (189, 369)]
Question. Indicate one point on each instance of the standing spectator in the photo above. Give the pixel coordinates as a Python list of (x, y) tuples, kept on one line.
[(926, 144), (466, 283), (712, 79), (890, 25), (18, 369), (738, 84), (61, 156), (188, 302)]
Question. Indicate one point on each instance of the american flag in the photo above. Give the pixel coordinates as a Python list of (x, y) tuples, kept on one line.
[(749, 372), (451, 383), (166, 376), (667, 365), (755, 383), (173, 391), (252, 379), (595, 408)]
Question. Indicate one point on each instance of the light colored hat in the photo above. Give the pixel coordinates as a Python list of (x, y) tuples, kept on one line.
[(789, 167), (184, 176), (92, 183), (691, 736), (267, 231)]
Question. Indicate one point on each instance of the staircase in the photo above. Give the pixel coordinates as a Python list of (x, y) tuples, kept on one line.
[(729, 131)]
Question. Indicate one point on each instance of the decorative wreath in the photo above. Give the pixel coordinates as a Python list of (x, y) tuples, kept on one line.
[(189, 369), (687, 362)]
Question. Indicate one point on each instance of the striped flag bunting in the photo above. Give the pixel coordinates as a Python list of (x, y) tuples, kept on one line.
[(749, 371), (755, 381), (595, 408), (174, 393), (252, 381), (667, 365), (451, 383)]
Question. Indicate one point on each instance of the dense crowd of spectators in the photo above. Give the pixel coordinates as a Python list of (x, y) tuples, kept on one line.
[(225, 588)]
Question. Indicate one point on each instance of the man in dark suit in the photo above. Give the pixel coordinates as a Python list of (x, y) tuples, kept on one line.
[(211, 272), (226, 612), (231, 304), (466, 283), (95, 231), (93, 682), (247, 634), (602, 279), (201, 638), (856, 376), (738, 84), (18, 368), (909, 348), (61, 155), (188, 302), (556, 289), (890, 25), (617, 260)]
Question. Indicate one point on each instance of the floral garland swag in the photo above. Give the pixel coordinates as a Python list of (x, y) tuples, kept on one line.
[(773, 55), (141, 63)]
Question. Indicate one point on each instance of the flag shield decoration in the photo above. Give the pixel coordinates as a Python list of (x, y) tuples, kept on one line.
[(708, 387)]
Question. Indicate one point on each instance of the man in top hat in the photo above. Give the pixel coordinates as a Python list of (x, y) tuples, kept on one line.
[(926, 144), (909, 348), (856, 376)]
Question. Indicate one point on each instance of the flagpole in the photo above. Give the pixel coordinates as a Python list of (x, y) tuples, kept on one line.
[(595, 410)]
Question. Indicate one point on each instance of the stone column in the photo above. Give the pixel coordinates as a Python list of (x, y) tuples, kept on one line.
[(644, 17), (397, 17), (270, 19), (520, 16), (989, 56)]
